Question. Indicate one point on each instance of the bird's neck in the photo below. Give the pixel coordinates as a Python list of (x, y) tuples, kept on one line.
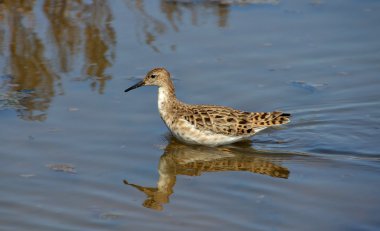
[(168, 87), (166, 98)]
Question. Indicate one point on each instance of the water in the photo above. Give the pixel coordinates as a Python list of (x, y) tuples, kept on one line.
[(76, 153)]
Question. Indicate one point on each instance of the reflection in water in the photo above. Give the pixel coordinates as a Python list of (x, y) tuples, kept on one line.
[(36, 63), (72, 21), (75, 26), (64, 30), (176, 12), (183, 159), (28, 67), (198, 10), (98, 36), (149, 25)]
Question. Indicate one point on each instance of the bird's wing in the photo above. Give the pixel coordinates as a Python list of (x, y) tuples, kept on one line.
[(228, 121)]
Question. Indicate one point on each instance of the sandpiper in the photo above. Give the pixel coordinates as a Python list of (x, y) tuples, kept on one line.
[(205, 124)]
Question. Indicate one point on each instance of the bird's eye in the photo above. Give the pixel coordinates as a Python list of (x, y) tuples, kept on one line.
[(153, 76)]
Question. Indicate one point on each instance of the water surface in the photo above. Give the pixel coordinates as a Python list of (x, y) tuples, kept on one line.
[(76, 153)]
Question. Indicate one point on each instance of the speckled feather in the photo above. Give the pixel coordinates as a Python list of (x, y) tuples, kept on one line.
[(225, 120), (228, 121)]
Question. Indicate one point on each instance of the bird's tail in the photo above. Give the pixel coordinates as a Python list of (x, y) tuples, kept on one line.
[(280, 118), (267, 119)]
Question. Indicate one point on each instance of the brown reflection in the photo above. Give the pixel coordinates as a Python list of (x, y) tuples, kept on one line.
[(27, 64), (64, 31), (150, 26), (74, 24), (182, 159), (99, 36), (175, 13), (34, 64), (178, 12)]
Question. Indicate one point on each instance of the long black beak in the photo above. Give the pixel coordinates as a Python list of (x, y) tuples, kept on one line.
[(139, 84)]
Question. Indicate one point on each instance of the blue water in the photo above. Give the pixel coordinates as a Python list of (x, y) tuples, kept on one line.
[(64, 67)]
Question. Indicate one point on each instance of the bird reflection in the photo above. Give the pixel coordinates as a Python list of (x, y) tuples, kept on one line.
[(183, 159)]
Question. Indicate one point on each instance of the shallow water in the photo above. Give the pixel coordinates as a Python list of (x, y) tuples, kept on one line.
[(76, 153)]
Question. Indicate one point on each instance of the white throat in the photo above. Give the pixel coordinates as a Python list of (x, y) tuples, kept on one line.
[(163, 96)]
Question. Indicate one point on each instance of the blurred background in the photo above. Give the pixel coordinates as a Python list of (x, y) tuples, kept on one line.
[(76, 153)]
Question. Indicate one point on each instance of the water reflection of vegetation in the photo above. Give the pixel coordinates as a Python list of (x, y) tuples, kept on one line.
[(175, 12), (183, 159), (36, 63), (74, 26)]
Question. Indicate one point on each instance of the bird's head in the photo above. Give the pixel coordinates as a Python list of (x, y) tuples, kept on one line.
[(155, 77)]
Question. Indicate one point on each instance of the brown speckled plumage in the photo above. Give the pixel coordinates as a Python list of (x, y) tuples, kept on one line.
[(206, 124), (227, 121)]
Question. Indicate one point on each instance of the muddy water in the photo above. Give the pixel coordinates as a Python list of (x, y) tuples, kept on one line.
[(76, 153)]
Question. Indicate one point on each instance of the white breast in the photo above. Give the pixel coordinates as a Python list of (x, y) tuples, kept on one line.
[(162, 97)]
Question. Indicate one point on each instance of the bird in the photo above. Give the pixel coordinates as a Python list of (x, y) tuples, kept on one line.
[(208, 125)]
